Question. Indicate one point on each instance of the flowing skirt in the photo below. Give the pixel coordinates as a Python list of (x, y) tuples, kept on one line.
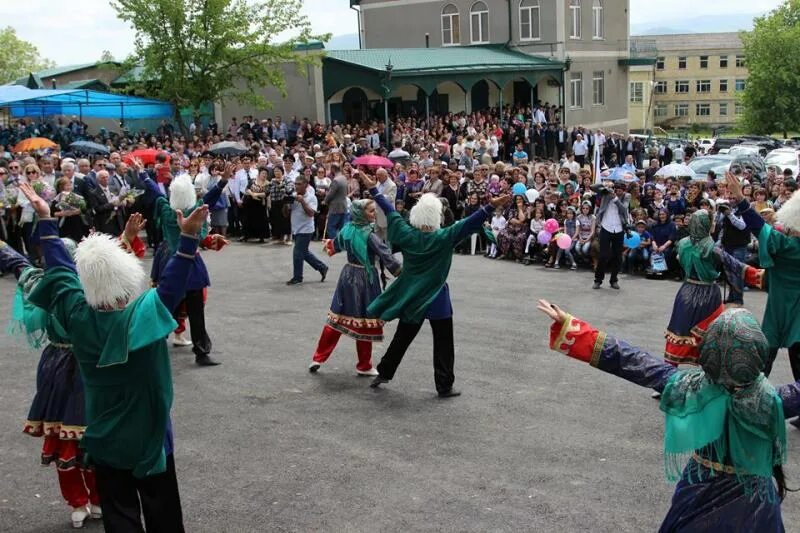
[(57, 411), (348, 313), (696, 307)]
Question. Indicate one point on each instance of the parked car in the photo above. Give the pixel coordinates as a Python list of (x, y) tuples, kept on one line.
[(723, 143), (784, 158), (768, 142), (721, 163), (747, 148), (704, 145)]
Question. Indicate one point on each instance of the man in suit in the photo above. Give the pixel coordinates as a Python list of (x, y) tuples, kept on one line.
[(106, 206), (388, 189), (116, 182), (664, 154), (78, 184), (613, 221), (336, 200)]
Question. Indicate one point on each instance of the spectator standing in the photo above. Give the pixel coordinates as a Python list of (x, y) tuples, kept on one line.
[(612, 216), (336, 200), (303, 210)]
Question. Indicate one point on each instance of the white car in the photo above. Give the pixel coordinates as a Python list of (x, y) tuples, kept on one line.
[(784, 158), (704, 145)]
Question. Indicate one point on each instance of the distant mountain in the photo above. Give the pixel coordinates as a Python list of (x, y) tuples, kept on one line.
[(703, 24), (348, 41)]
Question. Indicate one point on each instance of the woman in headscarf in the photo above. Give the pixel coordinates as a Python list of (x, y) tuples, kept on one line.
[(724, 421), (358, 285)]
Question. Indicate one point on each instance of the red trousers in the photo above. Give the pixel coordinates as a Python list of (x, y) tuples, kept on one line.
[(327, 343), (78, 487)]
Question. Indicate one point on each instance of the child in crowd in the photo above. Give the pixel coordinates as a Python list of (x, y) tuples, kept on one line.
[(400, 207), (532, 246), (639, 256), (586, 227), (570, 227), (498, 224)]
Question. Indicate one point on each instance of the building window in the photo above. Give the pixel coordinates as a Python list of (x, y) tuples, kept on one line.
[(660, 87), (660, 63), (529, 20), (597, 19), (723, 86), (637, 92), (450, 26), (598, 88), (738, 109), (739, 61), (682, 62), (681, 86), (660, 110), (703, 110), (704, 86), (576, 90), (574, 19), (479, 23), (723, 61), (703, 61), (723, 109), (740, 85), (681, 110)]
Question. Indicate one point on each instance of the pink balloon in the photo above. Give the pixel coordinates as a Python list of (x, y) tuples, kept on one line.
[(544, 237), (564, 241), (551, 225)]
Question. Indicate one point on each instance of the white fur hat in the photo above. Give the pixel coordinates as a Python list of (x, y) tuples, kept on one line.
[(789, 213), (182, 194), (108, 273), (427, 213)]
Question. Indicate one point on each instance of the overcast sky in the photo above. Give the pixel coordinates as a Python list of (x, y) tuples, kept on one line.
[(77, 31)]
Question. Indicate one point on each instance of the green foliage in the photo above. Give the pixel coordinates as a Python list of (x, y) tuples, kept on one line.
[(18, 58), (197, 51), (106, 57), (772, 50)]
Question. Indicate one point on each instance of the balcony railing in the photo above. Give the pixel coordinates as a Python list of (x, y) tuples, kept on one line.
[(643, 49)]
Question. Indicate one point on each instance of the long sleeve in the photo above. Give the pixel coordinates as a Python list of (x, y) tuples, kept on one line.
[(213, 194), (579, 340), (790, 396), (381, 200), (752, 220), (55, 254), (12, 261), (737, 221), (173, 281), (473, 223), (385, 254)]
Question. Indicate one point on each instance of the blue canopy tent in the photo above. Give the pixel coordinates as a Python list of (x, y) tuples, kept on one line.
[(23, 102)]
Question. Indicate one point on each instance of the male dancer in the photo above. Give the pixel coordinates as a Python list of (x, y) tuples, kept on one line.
[(421, 290), (119, 340)]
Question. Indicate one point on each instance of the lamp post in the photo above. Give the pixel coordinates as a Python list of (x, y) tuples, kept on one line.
[(386, 92)]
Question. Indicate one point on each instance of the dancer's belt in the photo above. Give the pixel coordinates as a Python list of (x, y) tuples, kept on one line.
[(718, 467), (355, 265), (698, 282), (61, 345)]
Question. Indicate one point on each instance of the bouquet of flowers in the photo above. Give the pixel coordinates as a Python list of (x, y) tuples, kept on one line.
[(130, 195), (70, 202), (8, 197), (44, 190)]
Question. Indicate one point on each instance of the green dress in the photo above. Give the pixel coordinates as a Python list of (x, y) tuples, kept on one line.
[(427, 257), (126, 370), (779, 254)]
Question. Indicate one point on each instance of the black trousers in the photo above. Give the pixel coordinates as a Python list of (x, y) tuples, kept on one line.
[(121, 494), (610, 254), (581, 160), (794, 360), (196, 312), (443, 351)]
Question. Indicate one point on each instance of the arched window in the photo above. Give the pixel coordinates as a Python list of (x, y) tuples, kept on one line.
[(598, 32), (451, 34), (574, 19), (529, 20), (479, 23)]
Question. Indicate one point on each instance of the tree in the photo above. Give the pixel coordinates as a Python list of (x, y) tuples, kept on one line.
[(198, 51), (18, 58), (772, 53), (106, 57)]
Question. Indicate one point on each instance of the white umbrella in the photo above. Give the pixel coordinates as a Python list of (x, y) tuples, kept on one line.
[(676, 170)]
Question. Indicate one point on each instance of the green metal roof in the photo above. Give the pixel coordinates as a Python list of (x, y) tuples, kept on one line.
[(420, 61), (83, 84), (60, 71)]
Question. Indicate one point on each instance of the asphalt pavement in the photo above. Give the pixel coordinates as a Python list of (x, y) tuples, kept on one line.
[(538, 442)]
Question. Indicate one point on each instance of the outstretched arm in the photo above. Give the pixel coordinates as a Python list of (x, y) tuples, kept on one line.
[(579, 340), (172, 284), (11, 260), (475, 221), (790, 396), (213, 194)]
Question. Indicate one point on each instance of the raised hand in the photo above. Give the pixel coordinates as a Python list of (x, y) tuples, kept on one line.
[(500, 200), (41, 207), (734, 187), (367, 180), (192, 224), (230, 168), (138, 164), (135, 224), (553, 311)]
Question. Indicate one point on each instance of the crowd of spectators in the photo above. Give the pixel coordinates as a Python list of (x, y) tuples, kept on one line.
[(462, 158)]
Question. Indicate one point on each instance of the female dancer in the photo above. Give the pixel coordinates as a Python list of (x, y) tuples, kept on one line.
[(358, 285), (724, 421)]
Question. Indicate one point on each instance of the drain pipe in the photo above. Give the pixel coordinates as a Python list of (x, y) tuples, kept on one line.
[(358, 12), (510, 34)]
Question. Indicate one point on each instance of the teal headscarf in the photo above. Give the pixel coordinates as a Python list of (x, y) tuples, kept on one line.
[(727, 406), (355, 234), (695, 250)]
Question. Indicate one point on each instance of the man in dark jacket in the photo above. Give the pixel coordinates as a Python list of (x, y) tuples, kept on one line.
[(613, 221)]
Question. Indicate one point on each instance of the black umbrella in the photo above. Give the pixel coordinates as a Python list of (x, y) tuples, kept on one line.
[(228, 148), (90, 148)]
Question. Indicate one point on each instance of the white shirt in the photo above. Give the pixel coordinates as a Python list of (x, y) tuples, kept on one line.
[(580, 147), (539, 117), (498, 223), (611, 221), (301, 222)]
